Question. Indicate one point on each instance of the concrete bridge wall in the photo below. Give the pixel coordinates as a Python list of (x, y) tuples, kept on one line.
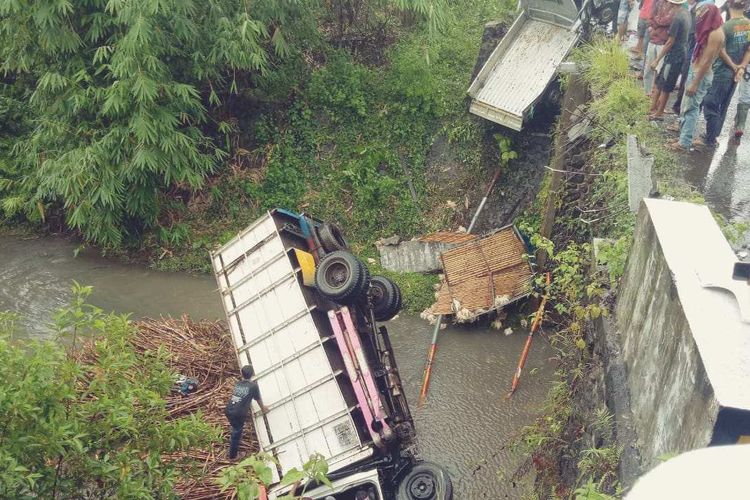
[(679, 371)]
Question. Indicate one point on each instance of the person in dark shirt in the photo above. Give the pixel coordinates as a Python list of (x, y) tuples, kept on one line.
[(239, 406), (686, 62), (672, 53), (716, 102)]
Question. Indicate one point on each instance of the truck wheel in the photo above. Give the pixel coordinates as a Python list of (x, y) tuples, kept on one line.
[(331, 238), (341, 277), (426, 481), (386, 298)]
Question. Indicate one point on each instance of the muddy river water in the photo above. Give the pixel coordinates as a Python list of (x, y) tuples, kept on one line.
[(465, 424)]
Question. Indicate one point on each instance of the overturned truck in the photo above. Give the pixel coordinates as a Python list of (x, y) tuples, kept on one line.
[(304, 312)]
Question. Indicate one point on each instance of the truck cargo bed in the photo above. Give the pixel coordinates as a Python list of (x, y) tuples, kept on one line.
[(519, 69), (278, 327)]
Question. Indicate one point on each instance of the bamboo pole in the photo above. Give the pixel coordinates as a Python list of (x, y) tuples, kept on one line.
[(433, 345)]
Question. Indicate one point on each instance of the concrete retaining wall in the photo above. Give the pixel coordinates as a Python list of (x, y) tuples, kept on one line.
[(661, 316)]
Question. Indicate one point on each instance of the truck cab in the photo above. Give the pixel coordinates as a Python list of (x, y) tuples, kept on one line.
[(305, 313)]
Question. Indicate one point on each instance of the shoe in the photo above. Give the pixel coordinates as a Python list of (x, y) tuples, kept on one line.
[(738, 134), (711, 144)]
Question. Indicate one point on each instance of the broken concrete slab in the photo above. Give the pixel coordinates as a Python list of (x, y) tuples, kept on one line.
[(582, 124), (640, 182), (418, 256)]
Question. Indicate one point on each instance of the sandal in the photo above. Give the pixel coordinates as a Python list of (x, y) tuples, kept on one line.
[(675, 146)]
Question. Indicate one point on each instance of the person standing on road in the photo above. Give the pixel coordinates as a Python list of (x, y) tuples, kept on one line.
[(673, 53), (238, 407), (644, 14), (716, 102), (743, 99), (686, 62), (709, 39), (662, 13), (622, 18)]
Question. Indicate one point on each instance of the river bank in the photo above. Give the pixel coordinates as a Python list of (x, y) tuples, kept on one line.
[(584, 445), (460, 395)]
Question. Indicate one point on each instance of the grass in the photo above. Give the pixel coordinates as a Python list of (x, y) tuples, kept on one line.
[(617, 109)]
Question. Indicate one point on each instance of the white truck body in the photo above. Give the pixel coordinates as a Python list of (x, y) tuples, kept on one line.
[(325, 370), (525, 61), (274, 327)]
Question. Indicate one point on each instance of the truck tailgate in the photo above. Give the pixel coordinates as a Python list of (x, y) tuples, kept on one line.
[(281, 332), (519, 69)]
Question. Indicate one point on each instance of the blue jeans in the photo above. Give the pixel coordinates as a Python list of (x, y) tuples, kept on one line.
[(691, 106), (622, 12), (235, 436), (715, 106)]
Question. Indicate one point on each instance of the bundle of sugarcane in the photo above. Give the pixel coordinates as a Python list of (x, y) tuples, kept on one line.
[(201, 350)]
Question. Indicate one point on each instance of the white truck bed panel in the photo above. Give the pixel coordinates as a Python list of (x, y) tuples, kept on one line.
[(519, 70), (273, 329)]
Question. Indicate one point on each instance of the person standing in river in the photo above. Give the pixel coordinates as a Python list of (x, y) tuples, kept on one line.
[(716, 102), (709, 39), (238, 407)]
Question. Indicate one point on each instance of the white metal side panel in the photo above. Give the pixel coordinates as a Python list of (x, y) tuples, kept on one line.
[(272, 329), (520, 76)]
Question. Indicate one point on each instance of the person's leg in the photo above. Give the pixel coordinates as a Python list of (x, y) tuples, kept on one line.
[(743, 105), (648, 73), (235, 437), (691, 108), (712, 108), (642, 26), (655, 94), (725, 104), (683, 76), (663, 98), (622, 19)]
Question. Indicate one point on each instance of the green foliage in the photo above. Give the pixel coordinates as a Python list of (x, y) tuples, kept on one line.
[(590, 491), (505, 145), (733, 231), (614, 255), (547, 430), (604, 63), (418, 290), (339, 88), (117, 93), (600, 463), (95, 422), (247, 477)]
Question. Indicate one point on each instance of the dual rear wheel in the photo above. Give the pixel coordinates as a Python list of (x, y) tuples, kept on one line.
[(342, 278)]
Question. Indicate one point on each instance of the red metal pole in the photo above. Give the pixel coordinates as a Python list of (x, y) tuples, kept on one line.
[(527, 347)]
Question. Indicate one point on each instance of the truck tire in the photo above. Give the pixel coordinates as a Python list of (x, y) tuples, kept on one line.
[(331, 238), (386, 298), (342, 277), (425, 481)]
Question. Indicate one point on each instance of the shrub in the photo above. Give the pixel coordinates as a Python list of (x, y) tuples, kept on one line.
[(90, 421)]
